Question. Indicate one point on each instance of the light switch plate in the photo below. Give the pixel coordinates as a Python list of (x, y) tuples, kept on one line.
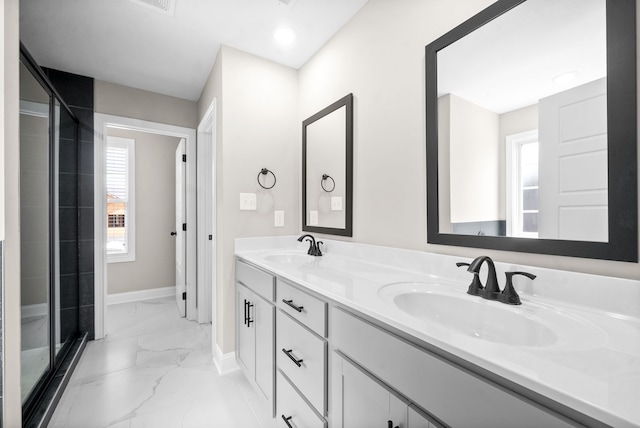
[(248, 202), (336, 203), (313, 218), (279, 219)]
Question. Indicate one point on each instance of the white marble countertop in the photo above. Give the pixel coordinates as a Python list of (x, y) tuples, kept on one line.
[(592, 365)]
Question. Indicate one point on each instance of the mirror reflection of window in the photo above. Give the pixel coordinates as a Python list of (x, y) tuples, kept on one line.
[(522, 184)]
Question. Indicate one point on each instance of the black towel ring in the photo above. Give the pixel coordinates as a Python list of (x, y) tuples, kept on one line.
[(325, 177), (265, 171)]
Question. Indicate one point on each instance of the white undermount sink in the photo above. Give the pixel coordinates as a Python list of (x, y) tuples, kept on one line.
[(529, 324)]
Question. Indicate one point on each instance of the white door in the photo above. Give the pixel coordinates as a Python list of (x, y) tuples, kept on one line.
[(181, 235), (573, 155)]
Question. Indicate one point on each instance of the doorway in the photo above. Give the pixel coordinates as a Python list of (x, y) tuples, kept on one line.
[(103, 126)]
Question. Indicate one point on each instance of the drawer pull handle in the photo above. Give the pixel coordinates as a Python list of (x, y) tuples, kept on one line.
[(245, 312), (290, 303), (288, 354), (286, 420), (249, 320)]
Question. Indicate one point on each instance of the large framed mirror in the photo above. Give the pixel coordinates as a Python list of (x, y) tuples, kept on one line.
[(327, 169), (532, 130)]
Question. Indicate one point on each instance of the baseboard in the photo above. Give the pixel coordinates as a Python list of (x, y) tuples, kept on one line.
[(225, 363), (136, 296)]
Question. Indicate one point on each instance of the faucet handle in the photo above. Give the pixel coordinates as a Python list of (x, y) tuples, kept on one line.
[(312, 247), (476, 285), (318, 251), (509, 295)]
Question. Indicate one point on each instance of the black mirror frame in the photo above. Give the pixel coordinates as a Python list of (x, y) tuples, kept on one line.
[(346, 102), (622, 144)]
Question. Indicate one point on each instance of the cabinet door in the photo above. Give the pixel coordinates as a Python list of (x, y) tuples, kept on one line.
[(366, 403), (245, 328), (263, 316)]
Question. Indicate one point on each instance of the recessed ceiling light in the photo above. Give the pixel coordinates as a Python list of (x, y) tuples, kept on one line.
[(564, 78), (284, 35)]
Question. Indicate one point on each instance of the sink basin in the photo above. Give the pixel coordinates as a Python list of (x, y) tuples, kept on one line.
[(296, 258), (529, 325)]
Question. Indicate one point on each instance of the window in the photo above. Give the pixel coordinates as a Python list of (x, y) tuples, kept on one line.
[(119, 167), (522, 184)]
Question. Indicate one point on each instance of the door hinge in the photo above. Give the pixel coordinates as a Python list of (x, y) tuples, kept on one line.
[(184, 158), (210, 237), (184, 227), (184, 295)]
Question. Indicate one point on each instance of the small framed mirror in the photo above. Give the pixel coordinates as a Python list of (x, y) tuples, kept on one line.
[(327, 169), (532, 130)]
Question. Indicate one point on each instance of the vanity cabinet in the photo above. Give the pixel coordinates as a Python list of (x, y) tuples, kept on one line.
[(301, 352), (366, 402), (255, 316), (452, 394)]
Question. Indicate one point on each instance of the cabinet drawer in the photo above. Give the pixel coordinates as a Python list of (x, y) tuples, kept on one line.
[(259, 281), (305, 359), (310, 311), (291, 405)]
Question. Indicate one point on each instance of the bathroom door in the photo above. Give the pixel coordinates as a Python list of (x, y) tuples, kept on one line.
[(181, 234)]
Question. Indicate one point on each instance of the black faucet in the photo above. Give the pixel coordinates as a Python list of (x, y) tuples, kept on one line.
[(314, 247), (491, 290)]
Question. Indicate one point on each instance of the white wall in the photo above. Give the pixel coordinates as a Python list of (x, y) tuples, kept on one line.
[(257, 128), (379, 56), (154, 266), (10, 199)]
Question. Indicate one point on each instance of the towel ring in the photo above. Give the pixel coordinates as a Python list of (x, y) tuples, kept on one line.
[(324, 178), (265, 171)]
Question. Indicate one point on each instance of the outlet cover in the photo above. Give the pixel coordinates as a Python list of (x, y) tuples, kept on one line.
[(248, 202), (313, 218), (336, 203), (279, 219)]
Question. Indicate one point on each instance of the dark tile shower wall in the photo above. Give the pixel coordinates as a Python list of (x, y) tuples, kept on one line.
[(76, 207)]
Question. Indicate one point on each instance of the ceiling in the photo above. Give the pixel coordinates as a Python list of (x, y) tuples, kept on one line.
[(136, 45)]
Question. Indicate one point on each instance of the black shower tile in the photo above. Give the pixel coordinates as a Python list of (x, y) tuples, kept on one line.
[(87, 321), (68, 257), (69, 295), (86, 252), (86, 224), (68, 156), (86, 191), (68, 223), (86, 157), (76, 90), (87, 291), (68, 190)]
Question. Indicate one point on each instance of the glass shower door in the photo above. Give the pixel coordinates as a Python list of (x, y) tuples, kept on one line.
[(36, 192)]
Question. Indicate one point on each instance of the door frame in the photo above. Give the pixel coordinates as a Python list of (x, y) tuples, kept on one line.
[(206, 192), (101, 123)]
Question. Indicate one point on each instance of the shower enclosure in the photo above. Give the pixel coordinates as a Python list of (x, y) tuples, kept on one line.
[(48, 230)]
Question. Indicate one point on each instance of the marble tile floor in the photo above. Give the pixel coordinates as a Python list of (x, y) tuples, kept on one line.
[(154, 369)]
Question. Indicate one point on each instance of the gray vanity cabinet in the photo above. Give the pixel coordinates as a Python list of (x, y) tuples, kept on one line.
[(255, 316), (366, 402)]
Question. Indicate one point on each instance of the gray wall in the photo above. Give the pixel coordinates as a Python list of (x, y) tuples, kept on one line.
[(154, 266)]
